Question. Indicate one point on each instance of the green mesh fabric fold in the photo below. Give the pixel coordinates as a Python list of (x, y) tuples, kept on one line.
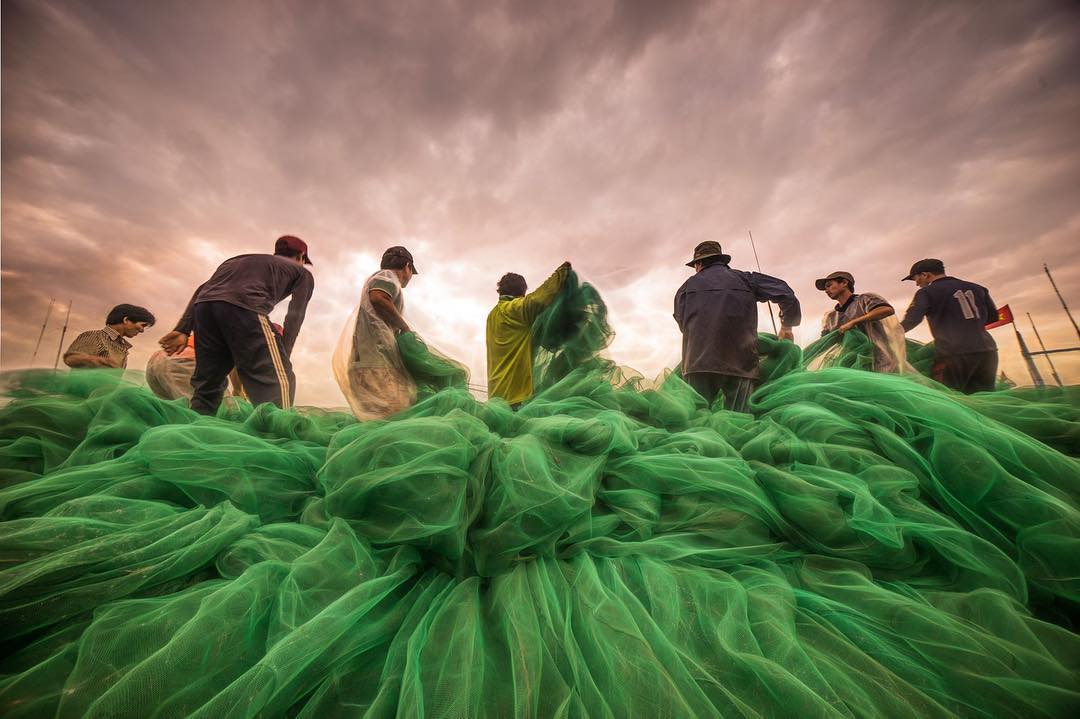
[(858, 545), (432, 370)]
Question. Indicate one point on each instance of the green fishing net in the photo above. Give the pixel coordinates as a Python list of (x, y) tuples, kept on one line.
[(858, 545), (432, 370)]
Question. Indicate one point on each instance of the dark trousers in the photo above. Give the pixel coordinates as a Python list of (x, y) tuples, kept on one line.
[(975, 372), (737, 390), (228, 336)]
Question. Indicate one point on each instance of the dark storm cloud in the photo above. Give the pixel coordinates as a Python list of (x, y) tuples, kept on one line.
[(145, 142)]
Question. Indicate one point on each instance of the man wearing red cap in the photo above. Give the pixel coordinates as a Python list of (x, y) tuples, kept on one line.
[(229, 313)]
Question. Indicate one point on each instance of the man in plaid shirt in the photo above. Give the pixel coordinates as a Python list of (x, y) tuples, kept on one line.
[(108, 347)]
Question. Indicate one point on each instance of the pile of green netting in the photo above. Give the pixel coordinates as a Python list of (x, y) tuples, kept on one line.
[(860, 545)]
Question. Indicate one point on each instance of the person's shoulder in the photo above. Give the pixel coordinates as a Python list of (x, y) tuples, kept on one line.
[(384, 280), (967, 284), (932, 289), (755, 279), (503, 306), (286, 263), (687, 284), (304, 275), (87, 338), (872, 297), (242, 259), (384, 276)]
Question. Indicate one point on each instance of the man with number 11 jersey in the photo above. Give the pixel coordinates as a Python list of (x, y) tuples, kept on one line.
[(965, 355)]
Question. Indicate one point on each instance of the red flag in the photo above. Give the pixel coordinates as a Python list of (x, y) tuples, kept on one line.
[(1004, 317)]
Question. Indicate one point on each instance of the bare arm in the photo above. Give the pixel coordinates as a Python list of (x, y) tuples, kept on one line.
[(878, 313), (387, 312)]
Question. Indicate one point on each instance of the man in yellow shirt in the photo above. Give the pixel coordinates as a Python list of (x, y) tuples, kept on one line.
[(509, 334)]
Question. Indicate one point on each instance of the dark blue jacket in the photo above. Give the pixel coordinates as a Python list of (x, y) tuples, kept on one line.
[(717, 312), (958, 312)]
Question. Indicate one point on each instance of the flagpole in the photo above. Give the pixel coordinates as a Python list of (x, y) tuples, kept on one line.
[(756, 260), (63, 332), (48, 312), (1062, 299), (1053, 369)]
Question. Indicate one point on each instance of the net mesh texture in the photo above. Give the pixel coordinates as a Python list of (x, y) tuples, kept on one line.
[(858, 545)]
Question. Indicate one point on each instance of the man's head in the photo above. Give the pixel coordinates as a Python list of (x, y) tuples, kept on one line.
[(926, 271), (129, 320), (292, 247), (837, 285), (400, 260), (708, 253), (512, 285)]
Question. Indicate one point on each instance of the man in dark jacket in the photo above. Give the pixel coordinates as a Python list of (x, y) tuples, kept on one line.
[(716, 310), (965, 355), (229, 314)]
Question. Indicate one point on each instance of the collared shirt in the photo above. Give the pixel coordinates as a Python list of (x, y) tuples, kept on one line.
[(856, 305), (957, 312), (887, 336), (105, 342), (716, 309)]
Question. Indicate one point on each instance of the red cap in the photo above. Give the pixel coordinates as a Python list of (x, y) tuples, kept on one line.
[(295, 244)]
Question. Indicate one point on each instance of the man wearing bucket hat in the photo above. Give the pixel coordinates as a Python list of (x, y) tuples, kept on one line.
[(367, 363), (230, 316), (868, 312), (716, 310), (965, 355)]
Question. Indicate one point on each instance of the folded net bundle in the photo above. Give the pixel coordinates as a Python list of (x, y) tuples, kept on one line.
[(859, 545)]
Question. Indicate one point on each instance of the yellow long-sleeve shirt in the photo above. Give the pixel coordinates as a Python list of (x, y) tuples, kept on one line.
[(509, 339)]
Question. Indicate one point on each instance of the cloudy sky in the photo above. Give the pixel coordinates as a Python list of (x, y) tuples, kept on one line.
[(144, 143)]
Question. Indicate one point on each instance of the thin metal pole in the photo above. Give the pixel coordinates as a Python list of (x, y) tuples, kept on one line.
[(756, 260), (1054, 352), (1035, 376), (63, 332), (1058, 292), (1053, 369), (48, 312)]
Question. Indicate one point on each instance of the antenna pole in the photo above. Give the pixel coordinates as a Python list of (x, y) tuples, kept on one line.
[(1035, 376), (1058, 293), (41, 334), (756, 260), (1053, 369), (63, 332)]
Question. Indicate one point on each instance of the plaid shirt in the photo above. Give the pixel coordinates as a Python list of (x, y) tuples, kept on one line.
[(105, 342)]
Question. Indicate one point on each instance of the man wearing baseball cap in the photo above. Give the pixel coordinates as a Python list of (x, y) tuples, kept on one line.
[(867, 311), (368, 364), (965, 355), (230, 316), (716, 310)]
